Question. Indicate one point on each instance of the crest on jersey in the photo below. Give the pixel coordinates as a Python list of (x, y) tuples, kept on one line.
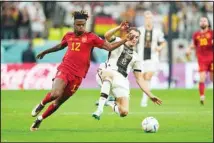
[(198, 37), (70, 39), (84, 39)]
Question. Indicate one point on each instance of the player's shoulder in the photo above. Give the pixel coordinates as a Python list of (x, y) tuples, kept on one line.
[(211, 31), (194, 35), (141, 28), (68, 34), (196, 32), (92, 35), (136, 55)]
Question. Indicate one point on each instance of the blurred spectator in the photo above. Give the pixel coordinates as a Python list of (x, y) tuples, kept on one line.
[(128, 14), (26, 20), (25, 29), (139, 18), (9, 17), (28, 56), (37, 18)]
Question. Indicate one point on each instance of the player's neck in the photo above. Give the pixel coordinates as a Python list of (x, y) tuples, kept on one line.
[(204, 30), (149, 27), (78, 34), (129, 46)]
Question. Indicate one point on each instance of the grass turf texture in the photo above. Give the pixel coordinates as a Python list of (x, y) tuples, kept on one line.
[(181, 118)]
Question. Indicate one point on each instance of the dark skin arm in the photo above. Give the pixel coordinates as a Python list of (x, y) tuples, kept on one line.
[(51, 50)]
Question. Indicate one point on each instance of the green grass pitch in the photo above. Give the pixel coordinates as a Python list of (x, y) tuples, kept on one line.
[(181, 118)]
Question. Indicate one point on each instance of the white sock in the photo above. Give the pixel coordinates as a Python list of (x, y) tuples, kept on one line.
[(202, 97), (115, 109), (39, 118), (102, 102), (106, 87), (145, 98)]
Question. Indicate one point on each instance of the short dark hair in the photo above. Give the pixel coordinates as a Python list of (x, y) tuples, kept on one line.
[(80, 15)]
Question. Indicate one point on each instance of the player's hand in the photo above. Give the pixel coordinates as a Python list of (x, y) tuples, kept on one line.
[(124, 25), (188, 53), (156, 100), (40, 55), (158, 49), (129, 37)]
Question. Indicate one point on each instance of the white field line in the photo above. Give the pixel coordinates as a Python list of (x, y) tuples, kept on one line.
[(140, 113), (210, 112)]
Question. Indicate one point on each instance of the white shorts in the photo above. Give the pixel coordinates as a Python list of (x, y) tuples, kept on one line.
[(120, 84), (149, 66)]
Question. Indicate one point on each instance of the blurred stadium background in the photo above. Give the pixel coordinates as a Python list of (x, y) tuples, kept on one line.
[(44, 23), (41, 25)]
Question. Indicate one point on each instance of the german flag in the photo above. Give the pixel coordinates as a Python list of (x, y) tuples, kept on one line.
[(102, 24)]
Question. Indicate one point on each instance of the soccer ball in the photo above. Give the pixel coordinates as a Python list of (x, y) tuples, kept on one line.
[(150, 125)]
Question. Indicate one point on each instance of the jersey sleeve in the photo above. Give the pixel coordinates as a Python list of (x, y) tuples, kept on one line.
[(194, 41), (137, 65), (161, 36), (64, 41), (98, 41)]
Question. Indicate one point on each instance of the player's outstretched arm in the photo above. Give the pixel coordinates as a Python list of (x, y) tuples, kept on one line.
[(161, 46), (189, 50), (109, 35), (53, 49), (141, 82), (111, 46)]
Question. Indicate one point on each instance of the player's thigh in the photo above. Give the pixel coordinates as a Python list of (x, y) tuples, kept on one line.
[(58, 87), (99, 79), (203, 66), (149, 66), (73, 85), (148, 75), (211, 71)]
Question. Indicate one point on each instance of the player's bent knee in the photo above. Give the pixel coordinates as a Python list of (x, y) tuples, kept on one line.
[(56, 93), (123, 113)]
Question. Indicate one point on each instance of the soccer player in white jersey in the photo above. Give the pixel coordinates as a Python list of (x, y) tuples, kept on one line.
[(114, 77), (110, 37), (151, 43)]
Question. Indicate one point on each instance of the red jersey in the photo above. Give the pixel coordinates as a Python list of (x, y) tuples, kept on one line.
[(204, 45), (76, 60)]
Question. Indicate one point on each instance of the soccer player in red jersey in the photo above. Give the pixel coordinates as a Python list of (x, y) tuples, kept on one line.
[(74, 66), (203, 43)]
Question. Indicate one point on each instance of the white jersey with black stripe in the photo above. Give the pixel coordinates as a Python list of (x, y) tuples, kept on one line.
[(123, 59), (157, 37)]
